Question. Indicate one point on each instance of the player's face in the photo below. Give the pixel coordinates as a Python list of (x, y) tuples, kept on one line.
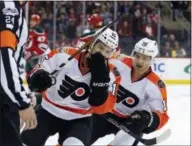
[(103, 49), (141, 62), (33, 24)]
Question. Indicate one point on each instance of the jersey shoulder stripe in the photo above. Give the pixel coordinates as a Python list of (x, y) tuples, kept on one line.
[(127, 60), (155, 79)]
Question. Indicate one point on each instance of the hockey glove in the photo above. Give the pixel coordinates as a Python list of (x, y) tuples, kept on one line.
[(40, 81), (99, 79), (139, 121)]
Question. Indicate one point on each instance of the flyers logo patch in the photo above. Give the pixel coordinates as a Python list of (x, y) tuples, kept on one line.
[(77, 90), (161, 84), (116, 72), (127, 98)]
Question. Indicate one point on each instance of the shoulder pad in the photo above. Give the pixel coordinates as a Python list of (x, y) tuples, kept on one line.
[(88, 34)]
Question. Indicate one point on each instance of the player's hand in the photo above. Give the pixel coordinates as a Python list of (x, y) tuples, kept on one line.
[(28, 117), (33, 99), (40, 81), (138, 121)]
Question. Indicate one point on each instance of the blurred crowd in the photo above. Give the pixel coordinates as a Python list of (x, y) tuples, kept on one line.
[(140, 21)]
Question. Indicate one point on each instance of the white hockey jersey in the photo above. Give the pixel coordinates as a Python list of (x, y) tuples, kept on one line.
[(68, 97), (148, 93)]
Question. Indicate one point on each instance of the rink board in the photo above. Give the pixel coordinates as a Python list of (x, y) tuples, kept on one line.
[(173, 70)]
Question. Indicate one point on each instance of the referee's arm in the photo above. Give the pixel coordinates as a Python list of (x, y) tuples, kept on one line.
[(9, 75)]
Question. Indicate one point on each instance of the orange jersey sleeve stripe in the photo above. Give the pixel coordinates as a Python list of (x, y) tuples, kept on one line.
[(71, 51), (8, 39), (163, 119), (127, 60), (162, 116), (154, 79), (106, 107), (52, 53)]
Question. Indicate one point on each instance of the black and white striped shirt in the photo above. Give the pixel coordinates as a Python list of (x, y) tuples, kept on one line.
[(13, 36)]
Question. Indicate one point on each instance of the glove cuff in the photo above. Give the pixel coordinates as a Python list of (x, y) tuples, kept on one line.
[(153, 124)]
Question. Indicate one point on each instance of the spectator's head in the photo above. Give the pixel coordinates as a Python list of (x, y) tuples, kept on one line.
[(103, 8), (176, 45), (125, 23), (167, 46), (97, 8), (62, 10), (62, 16), (138, 6), (95, 21), (144, 11), (97, 4), (44, 16), (34, 20), (172, 37), (62, 37), (71, 11), (137, 13)]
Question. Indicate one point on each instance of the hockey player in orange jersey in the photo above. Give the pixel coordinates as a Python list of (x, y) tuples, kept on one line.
[(141, 98), (85, 85)]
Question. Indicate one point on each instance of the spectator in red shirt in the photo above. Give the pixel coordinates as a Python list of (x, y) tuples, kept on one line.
[(125, 29)]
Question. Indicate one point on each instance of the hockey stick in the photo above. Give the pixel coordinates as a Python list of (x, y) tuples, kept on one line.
[(151, 141), (87, 44), (22, 128)]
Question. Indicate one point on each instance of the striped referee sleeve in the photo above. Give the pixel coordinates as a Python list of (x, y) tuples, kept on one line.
[(10, 79)]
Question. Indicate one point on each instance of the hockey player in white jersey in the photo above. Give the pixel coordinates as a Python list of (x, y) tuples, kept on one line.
[(141, 98), (85, 85)]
